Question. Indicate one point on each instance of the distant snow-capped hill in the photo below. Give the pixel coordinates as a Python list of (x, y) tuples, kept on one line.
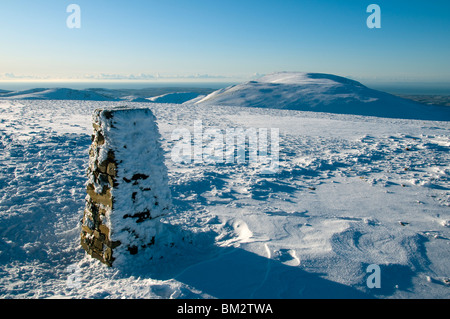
[(322, 93), (175, 95), (55, 94), (175, 98)]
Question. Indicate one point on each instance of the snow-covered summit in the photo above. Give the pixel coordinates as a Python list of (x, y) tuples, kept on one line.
[(321, 93), (307, 78)]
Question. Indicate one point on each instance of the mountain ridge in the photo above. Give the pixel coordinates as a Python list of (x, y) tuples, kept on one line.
[(321, 92)]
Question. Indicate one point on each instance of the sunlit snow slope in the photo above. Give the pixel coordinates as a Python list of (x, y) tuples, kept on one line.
[(321, 93)]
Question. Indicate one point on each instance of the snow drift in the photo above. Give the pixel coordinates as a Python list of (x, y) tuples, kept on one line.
[(321, 93)]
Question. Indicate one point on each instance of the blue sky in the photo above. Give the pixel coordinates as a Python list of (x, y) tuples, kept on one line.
[(229, 39)]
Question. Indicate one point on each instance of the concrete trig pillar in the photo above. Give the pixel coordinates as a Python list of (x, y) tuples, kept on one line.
[(127, 187)]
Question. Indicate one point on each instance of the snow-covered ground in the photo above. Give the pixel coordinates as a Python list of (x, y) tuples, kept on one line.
[(351, 191)]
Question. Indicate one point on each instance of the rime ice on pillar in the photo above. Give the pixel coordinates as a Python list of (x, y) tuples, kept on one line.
[(127, 188)]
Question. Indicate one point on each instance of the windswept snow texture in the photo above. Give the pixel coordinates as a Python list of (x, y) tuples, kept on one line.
[(322, 93), (351, 191)]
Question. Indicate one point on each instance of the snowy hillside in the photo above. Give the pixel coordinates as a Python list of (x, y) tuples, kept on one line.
[(351, 191), (176, 95), (175, 98), (321, 93), (55, 94)]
